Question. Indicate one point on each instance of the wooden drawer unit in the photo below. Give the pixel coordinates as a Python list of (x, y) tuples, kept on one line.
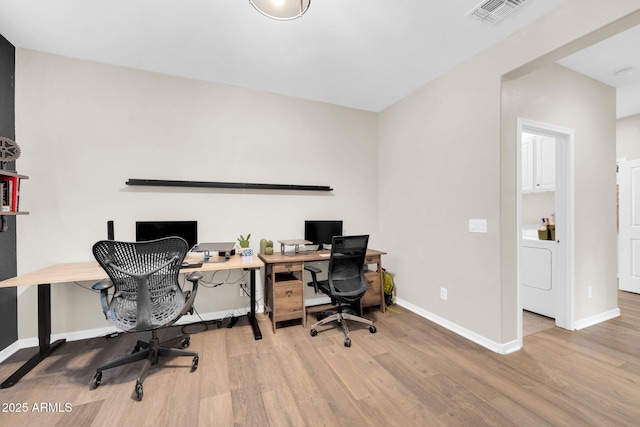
[(284, 292), (372, 259), (288, 267), (374, 290), (373, 277), (288, 301)]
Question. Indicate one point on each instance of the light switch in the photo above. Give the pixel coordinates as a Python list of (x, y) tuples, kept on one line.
[(477, 225)]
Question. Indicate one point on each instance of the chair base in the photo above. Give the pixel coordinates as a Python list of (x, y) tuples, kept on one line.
[(341, 318), (151, 351)]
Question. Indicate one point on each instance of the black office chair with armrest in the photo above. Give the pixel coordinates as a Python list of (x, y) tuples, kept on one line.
[(146, 297), (345, 283)]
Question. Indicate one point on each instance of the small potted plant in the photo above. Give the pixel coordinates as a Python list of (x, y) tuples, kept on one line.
[(244, 242)]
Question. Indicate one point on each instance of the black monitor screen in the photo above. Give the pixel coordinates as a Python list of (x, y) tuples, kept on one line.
[(321, 232), (152, 230)]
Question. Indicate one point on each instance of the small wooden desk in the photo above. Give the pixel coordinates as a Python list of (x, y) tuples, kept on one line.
[(284, 283), (90, 271)]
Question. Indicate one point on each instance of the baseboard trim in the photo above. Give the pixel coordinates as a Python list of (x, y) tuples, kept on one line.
[(499, 348), (598, 318), (32, 342), (9, 351)]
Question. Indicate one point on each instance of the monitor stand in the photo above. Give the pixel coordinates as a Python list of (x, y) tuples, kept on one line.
[(224, 250), (207, 258)]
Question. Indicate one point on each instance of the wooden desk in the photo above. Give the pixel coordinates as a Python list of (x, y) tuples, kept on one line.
[(284, 283), (91, 271)]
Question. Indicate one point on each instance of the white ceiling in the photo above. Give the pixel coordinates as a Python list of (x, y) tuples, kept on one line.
[(601, 62), (364, 54)]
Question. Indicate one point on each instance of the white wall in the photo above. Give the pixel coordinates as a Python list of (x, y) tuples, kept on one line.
[(628, 137), (85, 128), (561, 97), (427, 198)]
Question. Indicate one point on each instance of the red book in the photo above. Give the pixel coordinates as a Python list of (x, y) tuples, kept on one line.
[(15, 193)]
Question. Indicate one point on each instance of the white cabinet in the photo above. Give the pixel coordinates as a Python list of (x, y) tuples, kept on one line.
[(538, 163)]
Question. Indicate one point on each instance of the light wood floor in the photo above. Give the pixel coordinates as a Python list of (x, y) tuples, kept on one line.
[(533, 323), (410, 373)]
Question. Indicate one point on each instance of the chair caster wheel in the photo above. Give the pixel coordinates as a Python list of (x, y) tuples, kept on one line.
[(139, 392), (372, 329), (347, 342), (313, 332), (194, 364), (97, 379), (186, 342)]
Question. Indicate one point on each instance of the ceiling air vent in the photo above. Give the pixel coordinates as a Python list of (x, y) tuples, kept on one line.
[(493, 11)]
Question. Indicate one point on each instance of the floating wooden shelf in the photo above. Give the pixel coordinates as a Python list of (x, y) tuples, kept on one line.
[(238, 185), (14, 213)]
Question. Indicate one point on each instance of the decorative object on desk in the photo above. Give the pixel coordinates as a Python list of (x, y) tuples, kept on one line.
[(247, 252), (266, 247), (9, 151), (244, 243), (281, 10)]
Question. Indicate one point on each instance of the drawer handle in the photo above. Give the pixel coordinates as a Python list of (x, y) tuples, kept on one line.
[(370, 282), (369, 259), (288, 293), (288, 265)]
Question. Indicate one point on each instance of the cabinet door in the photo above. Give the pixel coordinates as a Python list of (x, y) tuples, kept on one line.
[(545, 163), (527, 164)]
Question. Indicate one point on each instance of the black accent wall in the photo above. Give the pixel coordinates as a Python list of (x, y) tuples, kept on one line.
[(8, 296)]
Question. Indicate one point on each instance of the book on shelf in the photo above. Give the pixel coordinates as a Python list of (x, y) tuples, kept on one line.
[(10, 193), (5, 192)]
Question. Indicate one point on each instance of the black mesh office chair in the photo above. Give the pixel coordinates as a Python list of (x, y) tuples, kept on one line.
[(345, 283), (146, 296)]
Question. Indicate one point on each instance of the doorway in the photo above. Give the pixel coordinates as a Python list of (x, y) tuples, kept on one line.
[(629, 226), (545, 221)]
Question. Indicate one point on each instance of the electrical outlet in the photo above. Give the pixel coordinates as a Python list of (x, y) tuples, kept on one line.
[(242, 291), (589, 292), (443, 293)]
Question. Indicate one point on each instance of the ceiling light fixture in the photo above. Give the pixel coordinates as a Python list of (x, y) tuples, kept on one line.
[(282, 10)]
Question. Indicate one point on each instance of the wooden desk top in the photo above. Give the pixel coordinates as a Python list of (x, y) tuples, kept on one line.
[(84, 271), (306, 256)]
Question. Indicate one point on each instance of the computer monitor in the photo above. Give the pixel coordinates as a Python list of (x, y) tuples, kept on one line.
[(322, 232), (152, 230)]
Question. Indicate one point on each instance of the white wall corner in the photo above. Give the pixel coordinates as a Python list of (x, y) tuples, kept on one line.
[(598, 318), (499, 348)]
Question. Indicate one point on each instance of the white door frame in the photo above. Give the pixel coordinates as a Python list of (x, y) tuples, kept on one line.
[(565, 317), (628, 232)]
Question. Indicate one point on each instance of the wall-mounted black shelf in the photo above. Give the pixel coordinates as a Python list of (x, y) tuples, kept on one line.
[(236, 185)]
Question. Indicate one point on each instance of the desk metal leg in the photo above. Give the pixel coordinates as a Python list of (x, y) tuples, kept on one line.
[(252, 313), (44, 337)]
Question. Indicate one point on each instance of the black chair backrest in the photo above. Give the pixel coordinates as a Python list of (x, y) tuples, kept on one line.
[(346, 267), (142, 272)]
